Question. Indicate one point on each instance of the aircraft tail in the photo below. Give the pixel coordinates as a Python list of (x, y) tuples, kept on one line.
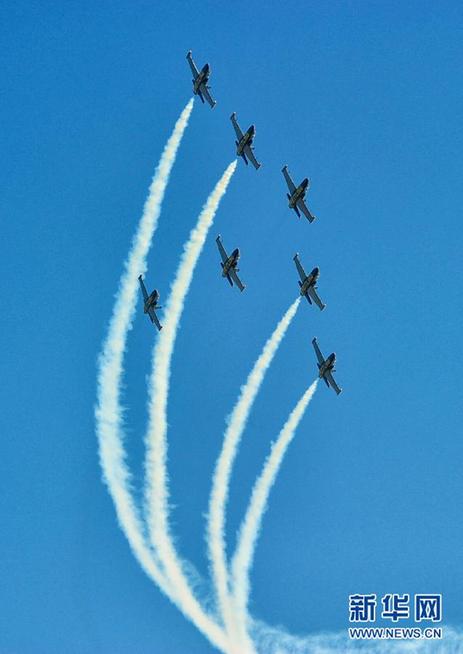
[(326, 381), (201, 96), (229, 280)]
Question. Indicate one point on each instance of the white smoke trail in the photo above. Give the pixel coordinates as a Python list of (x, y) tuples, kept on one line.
[(221, 480), (156, 491), (271, 640), (250, 527), (109, 413)]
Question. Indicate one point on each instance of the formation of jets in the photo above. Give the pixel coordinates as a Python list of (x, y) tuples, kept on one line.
[(229, 263)]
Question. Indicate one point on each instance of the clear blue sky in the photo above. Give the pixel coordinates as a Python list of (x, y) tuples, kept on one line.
[(366, 100)]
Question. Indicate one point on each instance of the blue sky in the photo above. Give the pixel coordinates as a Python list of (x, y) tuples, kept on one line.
[(363, 98)]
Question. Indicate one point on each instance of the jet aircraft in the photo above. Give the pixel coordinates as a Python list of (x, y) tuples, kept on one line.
[(326, 367), (200, 80), (296, 199), (150, 303), (308, 283), (244, 143), (229, 265)]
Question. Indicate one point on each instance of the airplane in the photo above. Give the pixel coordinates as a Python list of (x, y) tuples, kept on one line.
[(229, 265), (200, 80), (308, 283), (244, 143), (296, 199), (326, 367), (150, 303)]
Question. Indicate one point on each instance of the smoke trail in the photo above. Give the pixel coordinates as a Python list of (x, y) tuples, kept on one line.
[(250, 527), (156, 491), (222, 474), (276, 641), (108, 413)]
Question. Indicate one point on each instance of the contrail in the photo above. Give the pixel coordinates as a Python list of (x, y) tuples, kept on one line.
[(156, 490), (108, 412), (250, 527), (221, 480)]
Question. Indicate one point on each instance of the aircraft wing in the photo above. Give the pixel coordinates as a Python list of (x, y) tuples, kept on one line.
[(238, 132), (236, 279), (194, 70), (330, 379), (299, 267), (250, 155), (288, 179), (305, 210), (317, 351), (154, 318), (205, 92), (223, 254), (143, 289), (313, 294)]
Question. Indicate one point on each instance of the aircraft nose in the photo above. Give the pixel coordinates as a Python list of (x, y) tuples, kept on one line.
[(316, 271)]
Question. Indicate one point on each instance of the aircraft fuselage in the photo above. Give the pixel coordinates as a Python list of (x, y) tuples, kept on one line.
[(247, 139), (202, 78), (327, 365), (231, 262), (309, 281), (152, 301), (299, 193)]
